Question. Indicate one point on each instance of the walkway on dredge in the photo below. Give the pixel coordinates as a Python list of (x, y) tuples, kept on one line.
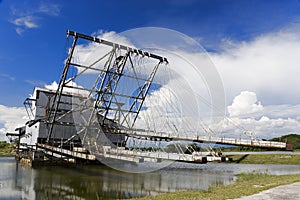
[(138, 156), (204, 139)]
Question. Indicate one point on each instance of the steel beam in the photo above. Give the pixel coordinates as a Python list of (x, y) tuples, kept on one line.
[(123, 47)]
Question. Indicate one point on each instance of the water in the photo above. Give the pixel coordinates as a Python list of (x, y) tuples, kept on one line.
[(235, 169), (101, 182)]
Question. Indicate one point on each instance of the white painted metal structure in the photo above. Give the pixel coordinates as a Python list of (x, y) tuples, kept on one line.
[(102, 117)]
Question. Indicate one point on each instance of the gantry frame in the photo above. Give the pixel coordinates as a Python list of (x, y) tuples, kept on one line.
[(103, 92)]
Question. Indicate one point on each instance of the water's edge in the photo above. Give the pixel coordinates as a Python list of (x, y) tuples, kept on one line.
[(92, 182)]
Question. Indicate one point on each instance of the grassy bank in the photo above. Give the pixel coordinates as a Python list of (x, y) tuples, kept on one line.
[(6, 149), (245, 185), (266, 159)]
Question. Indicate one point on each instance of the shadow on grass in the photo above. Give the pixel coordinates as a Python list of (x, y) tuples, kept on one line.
[(242, 158)]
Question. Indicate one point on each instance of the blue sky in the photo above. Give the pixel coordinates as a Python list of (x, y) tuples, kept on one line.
[(34, 56), (33, 40)]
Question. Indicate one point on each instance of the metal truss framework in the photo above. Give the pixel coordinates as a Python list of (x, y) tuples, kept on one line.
[(104, 95)]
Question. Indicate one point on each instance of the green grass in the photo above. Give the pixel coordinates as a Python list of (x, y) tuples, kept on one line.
[(6, 149), (266, 159), (245, 185)]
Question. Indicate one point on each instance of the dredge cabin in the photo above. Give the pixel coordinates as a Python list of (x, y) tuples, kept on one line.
[(35, 146)]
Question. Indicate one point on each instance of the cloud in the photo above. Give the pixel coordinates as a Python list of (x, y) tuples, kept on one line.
[(10, 119), (262, 128), (36, 83), (28, 17), (245, 103), (54, 85), (7, 76), (248, 118), (49, 9), (19, 31), (267, 65), (27, 22)]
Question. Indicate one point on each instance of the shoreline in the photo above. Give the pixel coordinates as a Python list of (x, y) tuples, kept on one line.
[(272, 158), (245, 185)]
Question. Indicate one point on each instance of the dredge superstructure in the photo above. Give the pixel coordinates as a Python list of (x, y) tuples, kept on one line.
[(83, 124)]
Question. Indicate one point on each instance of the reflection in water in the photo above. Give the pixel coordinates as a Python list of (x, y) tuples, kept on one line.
[(94, 181), (101, 182), (98, 182)]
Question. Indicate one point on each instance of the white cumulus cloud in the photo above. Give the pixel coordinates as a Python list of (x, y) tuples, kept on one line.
[(245, 103), (248, 118), (10, 119), (54, 85), (261, 128), (267, 65)]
